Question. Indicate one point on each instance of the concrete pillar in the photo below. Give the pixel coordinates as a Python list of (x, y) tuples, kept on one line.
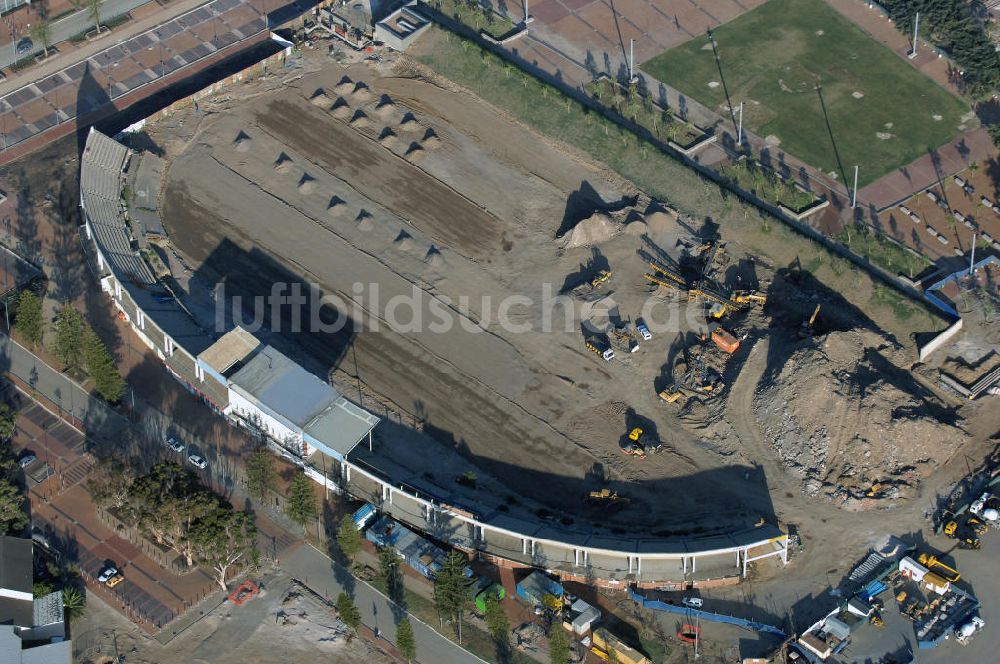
[(638, 566), (737, 558), (629, 564), (524, 546), (576, 557), (347, 468), (586, 558), (533, 548), (684, 564), (693, 561), (369, 441)]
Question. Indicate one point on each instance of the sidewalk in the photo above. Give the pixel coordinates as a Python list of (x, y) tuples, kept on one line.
[(63, 59), (64, 28)]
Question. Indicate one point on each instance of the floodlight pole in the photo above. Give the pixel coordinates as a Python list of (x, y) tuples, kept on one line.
[(972, 261), (739, 132), (854, 191), (916, 26), (725, 88), (632, 78), (528, 18)]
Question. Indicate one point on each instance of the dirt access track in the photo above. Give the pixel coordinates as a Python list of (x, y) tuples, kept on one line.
[(375, 186)]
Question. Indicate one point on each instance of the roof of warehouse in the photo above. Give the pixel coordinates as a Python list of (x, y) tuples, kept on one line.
[(283, 387), (232, 348)]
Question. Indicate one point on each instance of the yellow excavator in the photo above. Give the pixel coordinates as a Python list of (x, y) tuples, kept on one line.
[(749, 297), (603, 277)]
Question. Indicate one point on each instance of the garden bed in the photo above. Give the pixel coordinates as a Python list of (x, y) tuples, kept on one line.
[(788, 196), (631, 104), (477, 16)]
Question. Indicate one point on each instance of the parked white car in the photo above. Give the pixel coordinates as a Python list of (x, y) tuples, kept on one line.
[(174, 444), (107, 573), (693, 602), (643, 330), (197, 461)]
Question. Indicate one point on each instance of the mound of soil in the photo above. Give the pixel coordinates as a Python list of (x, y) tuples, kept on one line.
[(593, 230), (242, 142), (307, 184), (636, 228), (320, 98), (841, 416), (661, 222), (283, 163), (344, 86)]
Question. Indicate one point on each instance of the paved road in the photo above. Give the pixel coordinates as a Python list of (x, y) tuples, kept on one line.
[(69, 26), (92, 414), (316, 570)]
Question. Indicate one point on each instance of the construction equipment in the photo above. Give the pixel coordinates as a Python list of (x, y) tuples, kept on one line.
[(931, 562), (874, 491), (603, 277), (598, 348), (978, 526), (749, 297), (950, 528), (877, 621), (725, 340), (625, 338), (671, 394), (641, 443), (606, 496)]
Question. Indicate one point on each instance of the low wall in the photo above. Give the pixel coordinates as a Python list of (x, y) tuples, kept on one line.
[(690, 614), (938, 341)]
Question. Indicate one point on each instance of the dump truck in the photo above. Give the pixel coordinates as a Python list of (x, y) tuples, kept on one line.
[(931, 562), (725, 340), (601, 349)]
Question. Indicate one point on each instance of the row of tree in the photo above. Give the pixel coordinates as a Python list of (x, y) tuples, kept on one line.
[(76, 344), (261, 478), (13, 517), (170, 505), (952, 26)]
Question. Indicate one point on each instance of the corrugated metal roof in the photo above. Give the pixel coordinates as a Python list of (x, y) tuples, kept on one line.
[(234, 346), (281, 386), (340, 426)]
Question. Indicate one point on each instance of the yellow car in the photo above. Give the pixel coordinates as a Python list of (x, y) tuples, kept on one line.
[(115, 580)]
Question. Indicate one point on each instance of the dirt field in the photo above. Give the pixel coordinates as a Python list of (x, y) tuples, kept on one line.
[(338, 162), (283, 624)]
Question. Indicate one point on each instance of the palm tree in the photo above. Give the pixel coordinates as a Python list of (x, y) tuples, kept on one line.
[(74, 602)]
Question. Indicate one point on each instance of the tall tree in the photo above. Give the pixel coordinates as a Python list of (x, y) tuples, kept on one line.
[(94, 12), (348, 611), (301, 500), (101, 367), (389, 562), (496, 619), (28, 319), (8, 419), (12, 517), (349, 537), (224, 538), (405, 641), (558, 643), (68, 329), (42, 32), (451, 589), (110, 483), (260, 473)]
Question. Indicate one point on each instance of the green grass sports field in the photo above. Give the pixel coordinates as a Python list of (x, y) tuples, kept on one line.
[(883, 112)]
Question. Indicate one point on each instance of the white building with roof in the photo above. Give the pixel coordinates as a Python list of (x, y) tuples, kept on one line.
[(276, 398)]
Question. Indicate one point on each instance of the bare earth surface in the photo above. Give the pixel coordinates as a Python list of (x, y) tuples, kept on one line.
[(312, 182)]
